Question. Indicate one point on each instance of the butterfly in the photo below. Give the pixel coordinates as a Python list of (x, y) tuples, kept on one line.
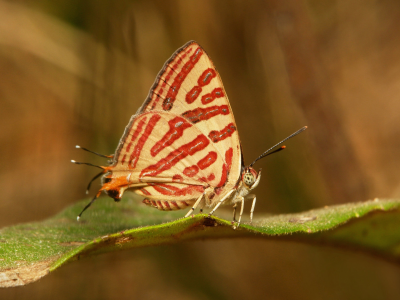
[(182, 149)]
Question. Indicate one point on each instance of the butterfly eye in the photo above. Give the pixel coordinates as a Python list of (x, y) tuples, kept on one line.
[(248, 178)]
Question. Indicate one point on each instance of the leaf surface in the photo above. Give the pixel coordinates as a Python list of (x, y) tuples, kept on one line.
[(30, 251)]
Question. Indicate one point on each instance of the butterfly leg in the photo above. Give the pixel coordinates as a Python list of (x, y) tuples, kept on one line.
[(203, 203), (220, 201), (234, 212), (252, 207), (194, 206), (241, 212)]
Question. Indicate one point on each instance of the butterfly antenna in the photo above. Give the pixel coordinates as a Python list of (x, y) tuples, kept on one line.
[(88, 164), (101, 155), (281, 148), (93, 179), (88, 205)]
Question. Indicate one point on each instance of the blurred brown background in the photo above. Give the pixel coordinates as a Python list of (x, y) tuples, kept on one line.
[(73, 72)]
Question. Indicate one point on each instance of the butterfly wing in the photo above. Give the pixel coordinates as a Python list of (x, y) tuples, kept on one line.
[(183, 139)]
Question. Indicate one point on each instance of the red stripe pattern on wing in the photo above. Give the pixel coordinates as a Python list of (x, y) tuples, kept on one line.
[(176, 127), (210, 97), (167, 205), (139, 146), (170, 190), (203, 80), (201, 114), (134, 137), (176, 84), (207, 161), (219, 135), (199, 143)]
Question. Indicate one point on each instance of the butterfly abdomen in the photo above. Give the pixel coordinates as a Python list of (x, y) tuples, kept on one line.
[(168, 205)]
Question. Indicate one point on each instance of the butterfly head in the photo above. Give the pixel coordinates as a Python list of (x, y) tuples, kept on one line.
[(250, 177)]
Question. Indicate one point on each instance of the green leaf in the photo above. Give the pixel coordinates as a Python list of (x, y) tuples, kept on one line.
[(30, 251)]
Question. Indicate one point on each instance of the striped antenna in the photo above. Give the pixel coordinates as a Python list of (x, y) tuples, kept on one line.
[(283, 147), (88, 164), (87, 150), (93, 179), (88, 205)]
